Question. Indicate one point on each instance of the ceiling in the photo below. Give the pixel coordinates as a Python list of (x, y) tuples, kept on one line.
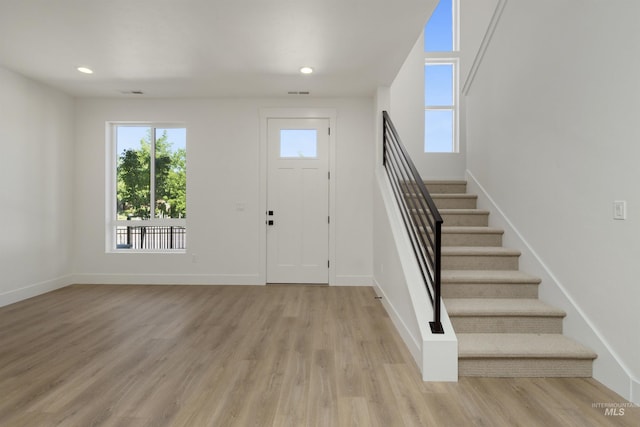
[(205, 48)]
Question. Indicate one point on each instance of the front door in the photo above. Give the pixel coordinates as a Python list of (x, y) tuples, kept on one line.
[(298, 201)]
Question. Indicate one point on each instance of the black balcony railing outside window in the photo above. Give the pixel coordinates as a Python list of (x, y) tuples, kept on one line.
[(151, 237)]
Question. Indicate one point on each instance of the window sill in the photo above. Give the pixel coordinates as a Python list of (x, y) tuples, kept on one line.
[(148, 251)]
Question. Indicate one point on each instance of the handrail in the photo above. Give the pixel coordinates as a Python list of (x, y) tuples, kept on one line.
[(419, 213)]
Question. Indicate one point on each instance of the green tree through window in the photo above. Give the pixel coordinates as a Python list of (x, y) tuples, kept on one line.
[(134, 186)]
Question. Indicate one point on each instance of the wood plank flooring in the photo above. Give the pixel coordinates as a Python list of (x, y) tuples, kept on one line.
[(249, 356)]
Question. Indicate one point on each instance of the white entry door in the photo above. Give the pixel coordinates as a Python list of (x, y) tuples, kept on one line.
[(298, 201)]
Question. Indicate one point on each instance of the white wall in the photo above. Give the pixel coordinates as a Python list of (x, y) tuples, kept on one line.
[(223, 170), (475, 33), (406, 106), (36, 136), (553, 139)]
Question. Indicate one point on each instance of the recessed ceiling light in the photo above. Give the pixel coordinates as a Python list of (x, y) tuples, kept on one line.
[(306, 70), (85, 70)]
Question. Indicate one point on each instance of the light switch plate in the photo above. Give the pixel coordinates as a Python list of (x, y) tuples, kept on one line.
[(620, 209)]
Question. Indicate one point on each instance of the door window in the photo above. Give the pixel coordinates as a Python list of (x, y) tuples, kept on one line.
[(298, 143)]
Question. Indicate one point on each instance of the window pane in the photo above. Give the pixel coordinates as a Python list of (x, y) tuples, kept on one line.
[(438, 84), (438, 137), (438, 33), (133, 171), (298, 143), (171, 173)]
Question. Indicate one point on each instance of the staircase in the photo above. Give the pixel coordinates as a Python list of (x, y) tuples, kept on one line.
[(503, 329)]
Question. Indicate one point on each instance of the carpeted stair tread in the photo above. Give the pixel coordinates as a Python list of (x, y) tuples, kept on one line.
[(468, 229), (460, 229), (467, 211), (478, 251), (455, 196), (488, 276), (533, 346), (446, 186), (435, 196), (499, 307), (444, 181)]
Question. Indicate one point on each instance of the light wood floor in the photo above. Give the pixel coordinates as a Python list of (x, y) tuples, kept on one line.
[(248, 355)]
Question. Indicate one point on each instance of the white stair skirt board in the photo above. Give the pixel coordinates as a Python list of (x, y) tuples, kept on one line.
[(405, 298)]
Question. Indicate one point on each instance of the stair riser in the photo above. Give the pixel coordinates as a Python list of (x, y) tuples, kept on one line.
[(461, 219), (507, 324), (471, 220), (439, 187), (462, 203), (471, 239), (476, 262), (446, 188), (488, 290), (524, 367), (451, 203)]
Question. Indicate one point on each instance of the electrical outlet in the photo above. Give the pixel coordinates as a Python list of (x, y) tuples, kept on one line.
[(620, 209)]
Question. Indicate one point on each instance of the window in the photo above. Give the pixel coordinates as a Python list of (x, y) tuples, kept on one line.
[(439, 31), (440, 111), (149, 188), (299, 143), (441, 79)]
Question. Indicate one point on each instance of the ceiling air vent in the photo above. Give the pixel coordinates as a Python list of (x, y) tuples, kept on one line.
[(302, 92)]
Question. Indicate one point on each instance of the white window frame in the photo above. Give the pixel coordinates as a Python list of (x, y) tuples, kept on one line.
[(111, 188), (454, 60), (452, 57)]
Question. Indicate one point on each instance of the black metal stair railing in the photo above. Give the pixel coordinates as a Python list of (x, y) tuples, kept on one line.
[(419, 212)]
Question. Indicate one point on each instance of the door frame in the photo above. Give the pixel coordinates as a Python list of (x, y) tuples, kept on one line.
[(294, 113)]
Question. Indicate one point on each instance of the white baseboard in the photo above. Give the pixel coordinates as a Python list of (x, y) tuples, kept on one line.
[(29, 291), (608, 367), (353, 280), (16, 295), (169, 279), (199, 279), (412, 343)]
